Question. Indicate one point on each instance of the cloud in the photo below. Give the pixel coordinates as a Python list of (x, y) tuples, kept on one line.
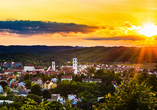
[(40, 27), (128, 37)]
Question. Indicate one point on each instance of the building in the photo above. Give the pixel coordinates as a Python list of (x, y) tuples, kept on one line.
[(39, 68), (53, 64), (1, 89), (11, 64), (52, 68), (75, 65), (91, 80), (37, 81), (56, 97), (29, 67), (48, 85), (9, 71), (66, 77)]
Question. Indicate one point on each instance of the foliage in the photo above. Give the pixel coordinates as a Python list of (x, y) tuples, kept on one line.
[(28, 84), (15, 73), (131, 96), (46, 94), (34, 97), (54, 105), (27, 76), (3, 83), (36, 89)]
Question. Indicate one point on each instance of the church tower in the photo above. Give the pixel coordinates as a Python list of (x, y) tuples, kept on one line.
[(75, 65), (53, 64)]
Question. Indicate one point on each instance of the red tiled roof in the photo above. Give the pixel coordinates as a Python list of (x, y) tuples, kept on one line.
[(9, 71), (66, 76), (39, 67)]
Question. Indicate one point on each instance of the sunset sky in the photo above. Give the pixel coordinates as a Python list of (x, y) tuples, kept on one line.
[(78, 22)]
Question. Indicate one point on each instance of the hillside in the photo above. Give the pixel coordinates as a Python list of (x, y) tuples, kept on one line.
[(87, 54), (34, 49)]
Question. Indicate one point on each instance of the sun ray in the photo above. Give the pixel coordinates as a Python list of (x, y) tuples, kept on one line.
[(148, 30)]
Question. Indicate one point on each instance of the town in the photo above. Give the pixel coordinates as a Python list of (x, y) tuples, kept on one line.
[(65, 84)]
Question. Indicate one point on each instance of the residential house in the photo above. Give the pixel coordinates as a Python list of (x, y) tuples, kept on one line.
[(97, 80), (18, 68), (9, 71), (86, 80), (54, 80), (73, 98), (91, 80), (39, 68), (37, 81), (66, 77), (67, 70), (1, 89), (56, 97), (14, 84), (48, 85), (11, 64)]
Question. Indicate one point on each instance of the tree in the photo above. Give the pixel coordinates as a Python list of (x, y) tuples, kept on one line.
[(131, 96), (3, 83), (15, 73), (28, 84), (54, 105), (46, 94), (90, 71), (36, 89), (35, 97), (27, 77)]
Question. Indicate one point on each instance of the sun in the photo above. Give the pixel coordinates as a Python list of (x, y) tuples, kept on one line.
[(148, 30)]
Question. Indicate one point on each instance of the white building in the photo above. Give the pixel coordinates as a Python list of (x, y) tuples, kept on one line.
[(29, 67), (75, 65), (53, 64)]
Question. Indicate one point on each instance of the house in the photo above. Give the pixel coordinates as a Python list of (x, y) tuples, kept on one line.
[(54, 80), (22, 83), (22, 89), (97, 80), (14, 84), (9, 71), (18, 68), (37, 81), (11, 64), (56, 97), (66, 77), (1, 89), (29, 67), (91, 80), (67, 70), (86, 80), (39, 68), (73, 98), (48, 85)]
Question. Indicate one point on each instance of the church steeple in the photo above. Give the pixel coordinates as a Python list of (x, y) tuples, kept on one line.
[(53, 64), (53, 59)]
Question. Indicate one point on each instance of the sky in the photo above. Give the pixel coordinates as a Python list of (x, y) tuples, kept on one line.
[(78, 22)]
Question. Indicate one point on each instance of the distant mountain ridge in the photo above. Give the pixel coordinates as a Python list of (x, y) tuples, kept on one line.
[(43, 55), (34, 49)]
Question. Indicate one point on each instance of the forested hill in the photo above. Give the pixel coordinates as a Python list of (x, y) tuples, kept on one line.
[(34, 49), (87, 54)]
